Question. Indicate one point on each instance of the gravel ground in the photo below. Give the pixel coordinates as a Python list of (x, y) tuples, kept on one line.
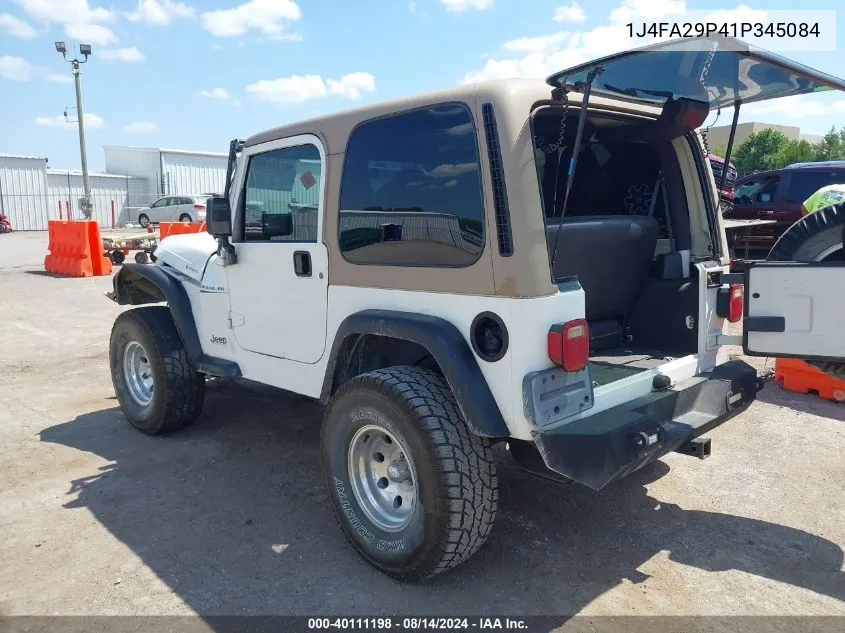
[(230, 516)]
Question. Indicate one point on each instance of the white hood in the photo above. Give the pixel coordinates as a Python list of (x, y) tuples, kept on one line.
[(188, 253)]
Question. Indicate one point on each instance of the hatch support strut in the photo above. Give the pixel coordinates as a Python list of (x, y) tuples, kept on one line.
[(582, 117), (730, 146), (573, 160)]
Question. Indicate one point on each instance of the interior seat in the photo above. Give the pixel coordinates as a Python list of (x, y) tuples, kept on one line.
[(610, 256)]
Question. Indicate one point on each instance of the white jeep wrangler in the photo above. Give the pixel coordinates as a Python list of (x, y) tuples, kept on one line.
[(444, 272)]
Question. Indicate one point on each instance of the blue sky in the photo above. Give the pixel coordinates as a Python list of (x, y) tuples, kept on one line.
[(193, 74)]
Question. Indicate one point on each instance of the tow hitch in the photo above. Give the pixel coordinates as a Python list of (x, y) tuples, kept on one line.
[(696, 447)]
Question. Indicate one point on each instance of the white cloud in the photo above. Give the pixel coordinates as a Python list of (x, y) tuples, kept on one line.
[(301, 88), (81, 21), (140, 127), (60, 79), (65, 11), (15, 68), (541, 44), (160, 12), (546, 54), (122, 54), (459, 6), (91, 33), (271, 17), (570, 13), (352, 85), (220, 94), (92, 121), (16, 27), (646, 10)]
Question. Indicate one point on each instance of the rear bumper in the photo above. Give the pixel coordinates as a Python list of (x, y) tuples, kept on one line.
[(611, 444)]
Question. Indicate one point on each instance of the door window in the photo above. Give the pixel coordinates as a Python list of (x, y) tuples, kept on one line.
[(760, 191), (161, 202), (282, 195), (411, 191)]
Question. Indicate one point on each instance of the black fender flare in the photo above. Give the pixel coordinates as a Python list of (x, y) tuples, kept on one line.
[(138, 284), (446, 345)]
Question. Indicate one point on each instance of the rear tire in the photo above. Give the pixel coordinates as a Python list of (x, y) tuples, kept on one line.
[(185, 218), (144, 220), (157, 387), (813, 238), (446, 474)]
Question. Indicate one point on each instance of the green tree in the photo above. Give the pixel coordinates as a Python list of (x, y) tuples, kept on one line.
[(832, 146), (795, 151), (719, 150), (759, 151)]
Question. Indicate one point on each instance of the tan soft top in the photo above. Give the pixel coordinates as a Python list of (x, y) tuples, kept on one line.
[(335, 128)]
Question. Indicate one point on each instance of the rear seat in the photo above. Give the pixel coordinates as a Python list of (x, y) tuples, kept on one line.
[(611, 257)]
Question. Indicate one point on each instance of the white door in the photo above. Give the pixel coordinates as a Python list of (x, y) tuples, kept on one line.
[(160, 211), (278, 287), (795, 310)]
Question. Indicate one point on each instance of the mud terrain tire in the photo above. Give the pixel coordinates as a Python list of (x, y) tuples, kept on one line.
[(157, 387), (453, 485), (811, 237)]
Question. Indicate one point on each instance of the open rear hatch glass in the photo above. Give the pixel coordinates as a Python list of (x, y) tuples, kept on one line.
[(720, 71)]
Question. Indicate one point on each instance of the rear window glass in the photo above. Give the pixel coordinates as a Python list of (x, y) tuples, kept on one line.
[(411, 191), (803, 184)]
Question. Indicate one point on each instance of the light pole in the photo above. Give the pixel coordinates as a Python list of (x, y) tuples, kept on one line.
[(85, 50)]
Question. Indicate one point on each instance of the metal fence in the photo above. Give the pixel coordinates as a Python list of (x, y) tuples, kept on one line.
[(115, 201)]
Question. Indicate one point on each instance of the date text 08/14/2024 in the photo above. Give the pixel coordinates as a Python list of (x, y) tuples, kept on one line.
[(417, 623), (738, 29)]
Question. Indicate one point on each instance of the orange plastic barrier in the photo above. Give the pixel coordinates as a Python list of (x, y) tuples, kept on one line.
[(178, 228), (796, 375), (75, 249)]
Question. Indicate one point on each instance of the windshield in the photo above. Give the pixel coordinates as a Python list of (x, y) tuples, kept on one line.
[(721, 71)]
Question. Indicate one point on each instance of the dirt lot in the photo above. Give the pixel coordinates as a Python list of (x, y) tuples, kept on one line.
[(230, 517)]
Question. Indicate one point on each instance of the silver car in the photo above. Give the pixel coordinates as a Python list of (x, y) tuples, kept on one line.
[(175, 209)]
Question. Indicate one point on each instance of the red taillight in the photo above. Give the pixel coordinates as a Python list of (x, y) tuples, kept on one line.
[(569, 345), (735, 302), (199, 207)]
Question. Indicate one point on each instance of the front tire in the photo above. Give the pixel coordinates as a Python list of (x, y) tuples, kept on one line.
[(158, 389), (413, 490), (144, 220)]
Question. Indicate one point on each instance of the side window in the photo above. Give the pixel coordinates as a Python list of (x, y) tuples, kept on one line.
[(185, 201), (411, 192), (282, 195), (767, 190), (803, 184), (161, 202), (757, 191), (746, 188)]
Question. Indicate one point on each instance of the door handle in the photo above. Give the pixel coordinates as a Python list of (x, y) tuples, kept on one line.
[(302, 263)]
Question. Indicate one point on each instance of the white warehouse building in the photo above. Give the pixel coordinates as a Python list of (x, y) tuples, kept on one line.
[(31, 193), (168, 171)]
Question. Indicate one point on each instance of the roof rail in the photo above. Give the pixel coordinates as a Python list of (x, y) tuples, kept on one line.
[(820, 163)]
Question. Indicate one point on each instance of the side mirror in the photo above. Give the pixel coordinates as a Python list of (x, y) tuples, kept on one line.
[(765, 197), (276, 225), (218, 217)]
